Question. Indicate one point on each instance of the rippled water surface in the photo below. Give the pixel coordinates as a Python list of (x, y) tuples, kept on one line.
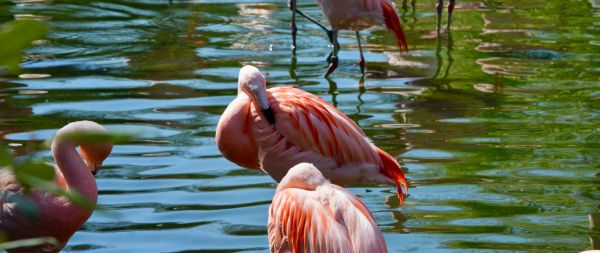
[(497, 121)]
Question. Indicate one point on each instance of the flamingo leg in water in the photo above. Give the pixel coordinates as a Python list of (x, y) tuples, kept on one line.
[(440, 7), (450, 10), (362, 58), (292, 5), (334, 58), (294, 9)]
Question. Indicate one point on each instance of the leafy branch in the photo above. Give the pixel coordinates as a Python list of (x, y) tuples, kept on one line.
[(15, 37)]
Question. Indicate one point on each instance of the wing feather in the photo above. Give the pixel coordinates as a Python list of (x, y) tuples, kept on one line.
[(299, 223), (311, 123), (330, 219)]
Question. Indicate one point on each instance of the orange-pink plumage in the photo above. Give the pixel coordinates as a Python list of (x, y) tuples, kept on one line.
[(275, 129), (309, 214)]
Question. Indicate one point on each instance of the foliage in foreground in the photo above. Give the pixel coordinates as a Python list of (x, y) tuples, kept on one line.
[(16, 36)]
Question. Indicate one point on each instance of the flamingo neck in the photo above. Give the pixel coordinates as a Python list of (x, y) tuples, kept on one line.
[(77, 175)]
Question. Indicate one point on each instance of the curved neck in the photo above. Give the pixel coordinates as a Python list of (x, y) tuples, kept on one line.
[(77, 175)]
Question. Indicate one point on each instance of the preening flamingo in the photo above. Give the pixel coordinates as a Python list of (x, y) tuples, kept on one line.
[(56, 216), (353, 15), (309, 214), (275, 129)]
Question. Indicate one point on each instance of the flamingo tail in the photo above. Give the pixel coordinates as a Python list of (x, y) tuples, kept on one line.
[(391, 168), (392, 22)]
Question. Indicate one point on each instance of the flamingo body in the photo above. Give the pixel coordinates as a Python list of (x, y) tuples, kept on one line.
[(358, 15), (305, 129), (309, 214), (354, 15), (54, 216)]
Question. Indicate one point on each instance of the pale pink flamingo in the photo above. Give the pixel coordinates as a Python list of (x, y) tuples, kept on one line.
[(56, 216), (309, 214), (275, 129), (355, 15)]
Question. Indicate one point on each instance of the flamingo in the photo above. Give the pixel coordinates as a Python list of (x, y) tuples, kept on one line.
[(309, 214), (275, 129), (56, 216), (439, 7), (353, 15)]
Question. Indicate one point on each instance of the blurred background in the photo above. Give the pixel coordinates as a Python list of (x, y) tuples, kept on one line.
[(496, 121)]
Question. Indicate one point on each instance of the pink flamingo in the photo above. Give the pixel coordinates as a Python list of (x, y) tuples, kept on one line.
[(309, 214), (353, 15), (275, 129), (56, 216)]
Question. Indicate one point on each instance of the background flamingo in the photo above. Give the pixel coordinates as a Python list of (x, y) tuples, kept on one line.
[(56, 216), (278, 128), (440, 6), (353, 15), (309, 214)]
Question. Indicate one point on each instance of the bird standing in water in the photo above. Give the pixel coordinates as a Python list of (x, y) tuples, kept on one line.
[(55, 216), (275, 129), (309, 214), (355, 15), (439, 7)]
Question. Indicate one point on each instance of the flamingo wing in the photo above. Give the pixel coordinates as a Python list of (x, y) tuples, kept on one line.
[(329, 219), (312, 124), (309, 129)]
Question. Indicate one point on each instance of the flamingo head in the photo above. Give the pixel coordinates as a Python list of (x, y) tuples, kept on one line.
[(94, 154), (95, 145), (303, 176), (93, 139), (253, 84)]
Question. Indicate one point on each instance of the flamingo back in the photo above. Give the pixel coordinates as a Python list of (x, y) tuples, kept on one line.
[(312, 123), (308, 129), (327, 219)]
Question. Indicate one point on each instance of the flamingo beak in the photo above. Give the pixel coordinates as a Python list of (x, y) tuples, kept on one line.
[(269, 115), (96, 168), (266, 108)]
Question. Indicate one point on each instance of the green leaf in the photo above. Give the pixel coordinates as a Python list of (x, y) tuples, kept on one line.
[(28, 243), (6, 158), (51, 187), (24, 205), (92, 138), (40, 170), (16, 36)]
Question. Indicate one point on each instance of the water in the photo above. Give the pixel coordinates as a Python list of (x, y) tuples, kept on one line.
[(496, 122)]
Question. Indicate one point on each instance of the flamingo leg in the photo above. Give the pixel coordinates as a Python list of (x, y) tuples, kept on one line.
[(311, 19), (449, 46), (334, 58), (362, 58), (439, 6), (292, 5), (450, 10), (294, 9)]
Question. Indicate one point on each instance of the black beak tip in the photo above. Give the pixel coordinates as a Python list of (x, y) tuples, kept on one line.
[(269, 115)]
